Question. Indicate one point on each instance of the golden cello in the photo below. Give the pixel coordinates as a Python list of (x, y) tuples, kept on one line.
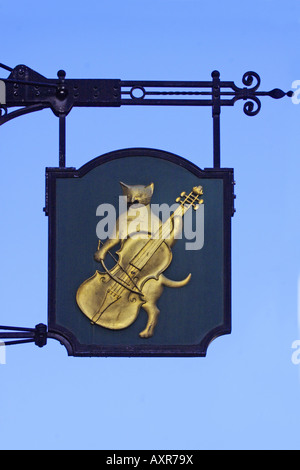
[(113, 298)]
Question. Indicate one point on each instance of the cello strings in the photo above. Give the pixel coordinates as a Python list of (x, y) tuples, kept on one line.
[(153, 244), (147, 251), (120, 266)]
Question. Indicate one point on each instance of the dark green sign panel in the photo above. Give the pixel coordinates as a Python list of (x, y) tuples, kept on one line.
[(139, 255)]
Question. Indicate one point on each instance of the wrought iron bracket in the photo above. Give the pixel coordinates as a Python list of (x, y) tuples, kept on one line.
[(19, 335), (30, 91)]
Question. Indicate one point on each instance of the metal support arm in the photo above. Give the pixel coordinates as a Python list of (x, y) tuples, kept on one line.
[(19, 335), (31, 91)]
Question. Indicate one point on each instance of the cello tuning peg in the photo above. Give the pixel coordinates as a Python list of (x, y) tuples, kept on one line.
[(198, 190), (196, 206), (178, 199), (183, 194)]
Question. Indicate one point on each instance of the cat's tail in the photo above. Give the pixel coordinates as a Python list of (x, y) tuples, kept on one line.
[(169, 283)]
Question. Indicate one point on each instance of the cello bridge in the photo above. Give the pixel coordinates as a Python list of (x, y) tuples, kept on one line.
[(113, 294)]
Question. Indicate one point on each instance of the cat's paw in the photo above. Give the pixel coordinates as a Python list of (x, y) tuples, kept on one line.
[(146, 333), (99, 256)]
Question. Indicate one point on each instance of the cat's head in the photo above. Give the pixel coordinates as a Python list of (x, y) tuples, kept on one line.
[(138, 194)]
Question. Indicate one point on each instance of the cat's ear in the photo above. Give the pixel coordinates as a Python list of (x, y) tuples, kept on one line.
[(151, 186), (124, 186)]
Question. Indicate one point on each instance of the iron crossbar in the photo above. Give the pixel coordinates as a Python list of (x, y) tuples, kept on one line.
[(30, 91), (20, 335)]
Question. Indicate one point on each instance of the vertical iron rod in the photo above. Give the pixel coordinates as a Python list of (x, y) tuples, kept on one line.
[(216, 111), (216, 134), (62, 140)]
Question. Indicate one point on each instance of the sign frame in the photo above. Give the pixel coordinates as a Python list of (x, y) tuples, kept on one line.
[(66, 337)]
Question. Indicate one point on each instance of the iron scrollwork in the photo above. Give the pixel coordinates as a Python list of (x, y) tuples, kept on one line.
[(248, 93), (202, 93), (251, 94)]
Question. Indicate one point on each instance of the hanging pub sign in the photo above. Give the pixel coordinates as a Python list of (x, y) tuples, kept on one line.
[(139, 255), (139, 239)]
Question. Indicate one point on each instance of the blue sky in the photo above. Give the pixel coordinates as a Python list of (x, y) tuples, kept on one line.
[(245, 393)]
